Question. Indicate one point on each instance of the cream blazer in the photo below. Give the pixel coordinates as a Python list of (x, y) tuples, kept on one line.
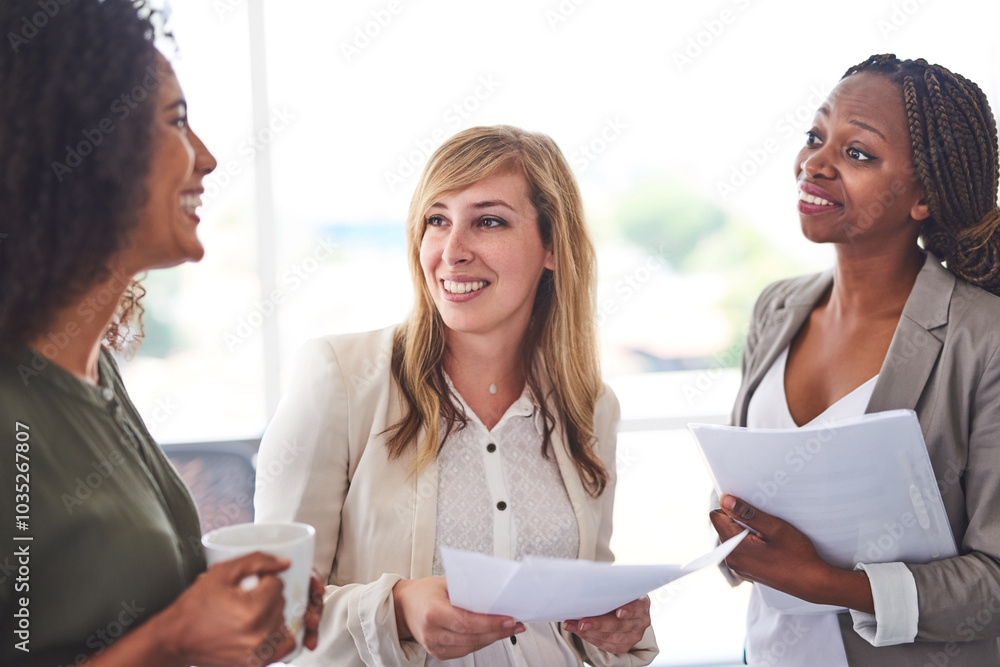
[(944, 363), (323, 462)]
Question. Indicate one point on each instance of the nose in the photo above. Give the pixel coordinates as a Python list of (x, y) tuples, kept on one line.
[(204, 162), (456, 248), (816, 163)]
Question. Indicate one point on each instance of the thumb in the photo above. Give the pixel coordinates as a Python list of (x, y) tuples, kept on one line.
[(746, 514)]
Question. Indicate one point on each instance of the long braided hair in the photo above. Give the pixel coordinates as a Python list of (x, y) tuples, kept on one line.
[(954, 141)]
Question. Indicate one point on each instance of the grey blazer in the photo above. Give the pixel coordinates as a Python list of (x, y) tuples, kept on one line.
[(944, 363)]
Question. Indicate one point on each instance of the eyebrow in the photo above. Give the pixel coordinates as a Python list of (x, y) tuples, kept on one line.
[(866, 126), (482, 204), (178, 103), (825, 110)]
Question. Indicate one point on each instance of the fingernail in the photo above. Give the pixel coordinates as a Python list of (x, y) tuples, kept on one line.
[(621, 613), (728, 502), (584, 626), (519, 629), (509, 623)]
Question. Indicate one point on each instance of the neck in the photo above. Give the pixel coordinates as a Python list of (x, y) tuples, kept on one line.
[(73, 339), (475, 360), (874, 283)]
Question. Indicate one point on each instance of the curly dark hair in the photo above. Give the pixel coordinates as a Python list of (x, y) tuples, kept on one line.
[(953, 137), (76, 133)]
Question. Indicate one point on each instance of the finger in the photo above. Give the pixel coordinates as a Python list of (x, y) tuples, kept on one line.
[(724, 525), (747, 514), (471, 623), (256, 563)]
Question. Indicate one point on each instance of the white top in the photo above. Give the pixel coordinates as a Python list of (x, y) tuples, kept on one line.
[(481, 471), (794, 639)]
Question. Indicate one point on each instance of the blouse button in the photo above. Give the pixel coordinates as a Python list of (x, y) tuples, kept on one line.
[(491, 448), (107, 394), (513, 640), (501, 506)]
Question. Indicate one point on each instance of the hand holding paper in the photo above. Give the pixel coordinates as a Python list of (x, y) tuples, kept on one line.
[(783, 558), (860, 491)]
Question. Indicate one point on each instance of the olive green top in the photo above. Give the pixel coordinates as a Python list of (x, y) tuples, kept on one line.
[(115, 534)]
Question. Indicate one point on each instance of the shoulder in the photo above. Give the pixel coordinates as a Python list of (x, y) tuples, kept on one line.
[(607, 406), (366, 351), (351, 365), (975, 309), (778, 294)]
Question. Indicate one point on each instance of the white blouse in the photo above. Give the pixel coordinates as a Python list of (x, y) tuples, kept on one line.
[(498, 495), (775, 638)]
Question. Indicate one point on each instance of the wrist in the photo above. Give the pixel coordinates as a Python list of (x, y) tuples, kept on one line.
[(844, 588), (164, 636), (398, 593)]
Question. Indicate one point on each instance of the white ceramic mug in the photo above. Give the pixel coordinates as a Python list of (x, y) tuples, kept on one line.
[(294, 541)]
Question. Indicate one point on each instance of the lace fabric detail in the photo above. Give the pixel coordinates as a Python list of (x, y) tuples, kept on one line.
[(538, 518)]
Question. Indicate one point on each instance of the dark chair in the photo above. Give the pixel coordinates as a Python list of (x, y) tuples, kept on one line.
[(221, 478)]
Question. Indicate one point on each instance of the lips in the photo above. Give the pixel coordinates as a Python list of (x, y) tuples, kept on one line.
[(815, 195), (190, 202)]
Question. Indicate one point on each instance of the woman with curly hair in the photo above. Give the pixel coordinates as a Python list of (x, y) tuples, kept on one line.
[(101, 550), (481, 423), (900, 151)]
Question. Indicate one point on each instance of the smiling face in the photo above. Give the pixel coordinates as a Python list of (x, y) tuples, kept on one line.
[(482, 256), (855, 173), (167, 231)]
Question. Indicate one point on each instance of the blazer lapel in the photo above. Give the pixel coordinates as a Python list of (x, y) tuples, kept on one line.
[(779, 330), (916, 345), (578, 497)]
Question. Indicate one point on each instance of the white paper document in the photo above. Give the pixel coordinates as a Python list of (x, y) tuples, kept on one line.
[(862, 490), (537, 590)]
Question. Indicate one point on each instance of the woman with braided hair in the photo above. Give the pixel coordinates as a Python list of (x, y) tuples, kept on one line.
[(899, 172)]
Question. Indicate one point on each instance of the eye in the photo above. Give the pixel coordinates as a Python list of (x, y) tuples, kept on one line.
[(181, 123), (859, 155), (492, 223), (812, 139), (434, 221)]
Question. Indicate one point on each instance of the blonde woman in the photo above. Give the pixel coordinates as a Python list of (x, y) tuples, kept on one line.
[(481, 423)]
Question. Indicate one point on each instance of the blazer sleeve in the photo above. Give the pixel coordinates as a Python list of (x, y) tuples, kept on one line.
[(959, 598), (607, 416), (302, 475)]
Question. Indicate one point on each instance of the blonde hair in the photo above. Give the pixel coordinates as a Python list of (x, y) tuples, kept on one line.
[(559, 350)]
